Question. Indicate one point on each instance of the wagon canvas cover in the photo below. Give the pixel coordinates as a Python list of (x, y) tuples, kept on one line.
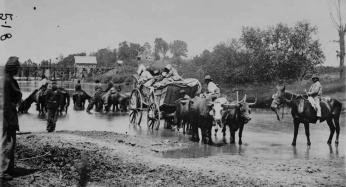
[(168, 94)]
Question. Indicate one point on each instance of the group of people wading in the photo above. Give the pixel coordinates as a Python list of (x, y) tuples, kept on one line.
[(13, 96)]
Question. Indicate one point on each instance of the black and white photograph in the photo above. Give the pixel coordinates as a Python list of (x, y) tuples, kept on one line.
[(172, 93)]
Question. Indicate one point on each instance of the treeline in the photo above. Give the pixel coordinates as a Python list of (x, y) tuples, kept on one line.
[(279, 52)]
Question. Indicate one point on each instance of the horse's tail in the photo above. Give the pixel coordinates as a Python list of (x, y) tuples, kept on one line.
[(67, 99)]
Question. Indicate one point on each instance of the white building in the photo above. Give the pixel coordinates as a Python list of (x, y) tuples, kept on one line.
[(84, 64)]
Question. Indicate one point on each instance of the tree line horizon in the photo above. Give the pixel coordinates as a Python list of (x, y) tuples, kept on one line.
[(277, 52)]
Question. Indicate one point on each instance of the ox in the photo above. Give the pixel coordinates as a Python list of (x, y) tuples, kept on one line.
[(234, 115), (182, 115)]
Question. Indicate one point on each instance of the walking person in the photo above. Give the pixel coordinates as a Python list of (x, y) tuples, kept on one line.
[(12, 96), (53, 98)]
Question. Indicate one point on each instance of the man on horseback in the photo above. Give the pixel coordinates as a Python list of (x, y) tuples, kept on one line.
[(42, 88), (96, 98), (315, 92)]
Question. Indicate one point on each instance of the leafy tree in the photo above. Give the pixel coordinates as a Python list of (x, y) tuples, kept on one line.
[(106, 57), (178, 48), (161, 48), (340, 26), (124, 51)]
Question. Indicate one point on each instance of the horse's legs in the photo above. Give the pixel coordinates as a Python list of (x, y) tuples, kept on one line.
[(307, 133), (232, 136), (332, 130), (296, 128), (337, 128), (240, 133)]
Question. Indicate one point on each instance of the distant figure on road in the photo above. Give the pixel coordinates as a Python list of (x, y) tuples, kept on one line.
[(315, 92), (12, 96)]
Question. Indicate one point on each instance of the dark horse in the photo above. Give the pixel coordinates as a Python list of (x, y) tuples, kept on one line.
[(64, 102), (37, 96), (303, 112), (79, 98), (118, 101)]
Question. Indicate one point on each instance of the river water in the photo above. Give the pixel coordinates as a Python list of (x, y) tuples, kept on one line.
[(263, 136)]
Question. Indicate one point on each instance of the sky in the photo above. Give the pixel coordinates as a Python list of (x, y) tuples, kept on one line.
[(62, 27)]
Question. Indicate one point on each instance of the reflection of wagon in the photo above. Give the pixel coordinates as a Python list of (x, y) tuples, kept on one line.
[(159, 102)]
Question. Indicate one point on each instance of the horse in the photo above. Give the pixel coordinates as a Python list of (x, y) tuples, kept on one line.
[(37, 96), (303, 112), (79, 98), (118, 101), (64, 102)]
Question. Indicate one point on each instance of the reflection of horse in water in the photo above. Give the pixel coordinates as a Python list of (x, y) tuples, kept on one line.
[(38, 97), (79, 98)]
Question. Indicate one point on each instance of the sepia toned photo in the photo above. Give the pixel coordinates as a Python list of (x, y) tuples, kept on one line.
[(172, 93)]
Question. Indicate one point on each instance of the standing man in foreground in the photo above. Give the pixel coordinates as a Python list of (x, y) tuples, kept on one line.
[(12, 97), (53, 98)]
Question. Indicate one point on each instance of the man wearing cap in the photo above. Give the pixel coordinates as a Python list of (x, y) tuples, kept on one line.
[(315, 92), (12, 96), (212, 91), (53, 98), (96, 98)]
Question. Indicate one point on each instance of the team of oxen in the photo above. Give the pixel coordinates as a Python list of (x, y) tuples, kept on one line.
[(201, 113)]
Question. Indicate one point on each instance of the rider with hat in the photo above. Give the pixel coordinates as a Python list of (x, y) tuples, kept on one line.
[(315, 92), (213, 91)]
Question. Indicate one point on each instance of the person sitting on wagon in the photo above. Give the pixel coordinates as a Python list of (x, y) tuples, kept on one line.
[(213, 91), (145, 77), (171, 73)]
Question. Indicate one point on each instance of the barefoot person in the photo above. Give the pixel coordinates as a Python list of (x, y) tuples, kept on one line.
[(12, 97)]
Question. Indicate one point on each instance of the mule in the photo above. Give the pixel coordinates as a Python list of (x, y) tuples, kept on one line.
[(303, 112)]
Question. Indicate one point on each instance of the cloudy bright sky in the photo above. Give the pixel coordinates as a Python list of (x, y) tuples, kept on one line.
[(68, 26)]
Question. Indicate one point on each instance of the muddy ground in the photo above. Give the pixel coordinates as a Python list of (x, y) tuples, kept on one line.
[(95, 158)]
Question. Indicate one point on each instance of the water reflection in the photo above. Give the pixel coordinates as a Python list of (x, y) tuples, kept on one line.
[(263, 137)]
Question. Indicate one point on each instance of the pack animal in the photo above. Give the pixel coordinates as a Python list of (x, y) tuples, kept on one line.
[(303, 112)]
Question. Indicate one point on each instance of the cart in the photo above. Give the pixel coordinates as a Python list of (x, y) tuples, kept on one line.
[(158, 102)]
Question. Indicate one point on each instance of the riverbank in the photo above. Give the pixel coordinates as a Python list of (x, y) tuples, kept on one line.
[(67, 158)]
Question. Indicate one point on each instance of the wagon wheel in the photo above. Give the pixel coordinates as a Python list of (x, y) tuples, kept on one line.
[(136, 107), (153, 115)]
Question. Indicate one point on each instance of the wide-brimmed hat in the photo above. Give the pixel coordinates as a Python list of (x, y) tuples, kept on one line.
[(168, 67), (315, 76), (12, 64), (207, 77)]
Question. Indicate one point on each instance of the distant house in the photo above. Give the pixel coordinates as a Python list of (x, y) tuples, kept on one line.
[(84, 64)]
